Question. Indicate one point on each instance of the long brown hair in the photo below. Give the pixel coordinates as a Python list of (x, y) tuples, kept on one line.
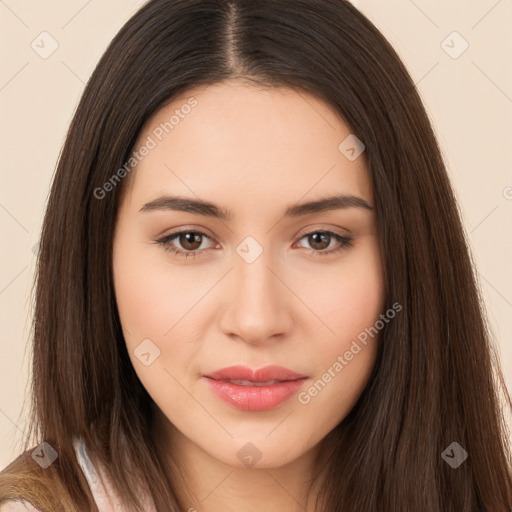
[(436, 379)]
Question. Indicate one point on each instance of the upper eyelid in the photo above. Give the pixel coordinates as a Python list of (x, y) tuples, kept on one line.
[(308, 229), (170, 236)]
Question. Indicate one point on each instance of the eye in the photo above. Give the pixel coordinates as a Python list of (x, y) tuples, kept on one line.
[(321, 240), (191, 243)]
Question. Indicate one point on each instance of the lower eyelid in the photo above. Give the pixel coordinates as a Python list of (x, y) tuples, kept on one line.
[(344, 242)]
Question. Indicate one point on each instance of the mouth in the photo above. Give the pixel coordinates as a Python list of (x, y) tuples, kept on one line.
[(251, 383), (262, 375), (254, 390)]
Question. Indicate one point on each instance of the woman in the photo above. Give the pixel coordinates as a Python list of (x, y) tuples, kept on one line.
[(251, 227)]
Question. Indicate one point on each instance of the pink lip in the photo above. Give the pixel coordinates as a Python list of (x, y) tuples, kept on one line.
[(255, 398), (261, 375)]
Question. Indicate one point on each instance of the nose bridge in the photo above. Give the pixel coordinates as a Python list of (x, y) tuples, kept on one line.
[(257, 308)]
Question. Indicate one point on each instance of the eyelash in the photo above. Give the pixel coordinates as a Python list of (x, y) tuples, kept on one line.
[(345, 243)]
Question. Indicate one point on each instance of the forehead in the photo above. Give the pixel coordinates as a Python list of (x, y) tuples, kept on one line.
[(239, 142)]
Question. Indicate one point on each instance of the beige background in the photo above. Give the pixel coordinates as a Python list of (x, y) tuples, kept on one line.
[(469, 99)]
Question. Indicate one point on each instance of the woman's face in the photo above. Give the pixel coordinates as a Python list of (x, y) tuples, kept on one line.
[(259, 279)]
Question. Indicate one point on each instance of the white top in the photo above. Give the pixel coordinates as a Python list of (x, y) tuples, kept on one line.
[(104, 496)]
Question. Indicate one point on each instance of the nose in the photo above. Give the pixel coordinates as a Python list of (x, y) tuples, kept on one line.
[(257, 302)]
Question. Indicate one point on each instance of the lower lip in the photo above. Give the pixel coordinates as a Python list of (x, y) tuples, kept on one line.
[(255, 398)]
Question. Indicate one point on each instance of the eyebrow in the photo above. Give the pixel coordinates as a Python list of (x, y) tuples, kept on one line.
[(206, 208)]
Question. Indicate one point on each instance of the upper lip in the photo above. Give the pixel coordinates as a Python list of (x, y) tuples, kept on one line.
[(261, 375)]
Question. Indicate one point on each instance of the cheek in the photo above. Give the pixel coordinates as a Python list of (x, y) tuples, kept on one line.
[(350, 298), (350, 307), (145, 303), (151, 296), (150, 303), (140, 298), (155, 302)]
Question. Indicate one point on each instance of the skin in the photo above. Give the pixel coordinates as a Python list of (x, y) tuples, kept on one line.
[(254, 151)]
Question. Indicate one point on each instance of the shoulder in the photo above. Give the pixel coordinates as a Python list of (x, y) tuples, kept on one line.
[(17, 506), (26, 486)]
